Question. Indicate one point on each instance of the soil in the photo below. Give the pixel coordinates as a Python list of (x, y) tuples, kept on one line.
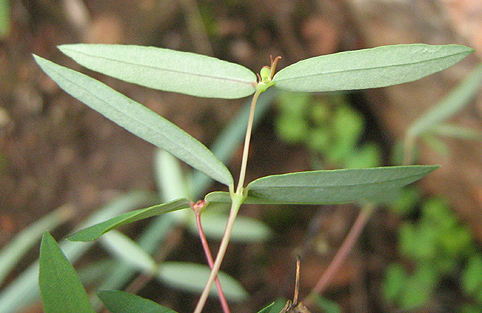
[(55, 151)]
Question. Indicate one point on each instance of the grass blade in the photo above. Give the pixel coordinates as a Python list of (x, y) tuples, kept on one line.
[(123, 302), (369, 68), (137, 119), (164, 69), (93, 232), (335, 186), (60, 287)]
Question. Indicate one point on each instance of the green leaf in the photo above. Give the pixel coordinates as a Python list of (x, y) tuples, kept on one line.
[(335, 186), (192, 277), (23, 291), (124, 302), (164, 69), (60, 287), (128, 251), (369, 68), (224, 197), (95, 231), (450, 105), (137, 119)]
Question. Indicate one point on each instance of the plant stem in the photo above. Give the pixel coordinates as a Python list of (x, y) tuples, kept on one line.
[(236, 204), (247, 140), (237, 198), (342, 253), (209, 257)]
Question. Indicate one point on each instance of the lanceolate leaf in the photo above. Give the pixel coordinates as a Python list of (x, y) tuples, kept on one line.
[(335, 186), (60, 287), (137, 119), (123, 302), (165, 69), (93, 232), (369, 68)]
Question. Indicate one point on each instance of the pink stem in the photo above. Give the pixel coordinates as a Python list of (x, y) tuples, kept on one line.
[(207, 251)]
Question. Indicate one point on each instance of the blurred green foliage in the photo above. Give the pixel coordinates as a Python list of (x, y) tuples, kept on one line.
[(328, 126), (4, 18), (438, 248)]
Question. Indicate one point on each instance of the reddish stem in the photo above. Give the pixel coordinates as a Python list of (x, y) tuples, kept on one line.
[(342, 253), (197, 210)]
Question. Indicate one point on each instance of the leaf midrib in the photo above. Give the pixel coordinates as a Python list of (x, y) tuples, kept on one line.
[(140, 121), (252, 83), (336, 186), (365, 68)]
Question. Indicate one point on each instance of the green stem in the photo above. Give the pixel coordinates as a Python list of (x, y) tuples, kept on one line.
[(237, 198), (247, 140)]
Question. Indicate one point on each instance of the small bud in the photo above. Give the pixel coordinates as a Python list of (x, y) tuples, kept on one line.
[(265, 74)]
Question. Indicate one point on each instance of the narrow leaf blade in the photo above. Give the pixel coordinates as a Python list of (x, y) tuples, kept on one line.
[(164, 69), (128, 251), (335, 186), (95, 231), (192, 277), (369, 68), (137, 119), (124, 302), (60, 287)]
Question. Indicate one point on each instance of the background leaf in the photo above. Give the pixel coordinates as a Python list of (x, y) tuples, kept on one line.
[(192, 277), (450, 105), (22, 242), (129, 251), (124, 302), (95, 231), (137, 119), (369, 68), (165, 69), (246, 230), (335, 186), (24, 290), (60, 287)]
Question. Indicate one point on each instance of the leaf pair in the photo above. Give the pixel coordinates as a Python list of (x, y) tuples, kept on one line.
[(204, 76)]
